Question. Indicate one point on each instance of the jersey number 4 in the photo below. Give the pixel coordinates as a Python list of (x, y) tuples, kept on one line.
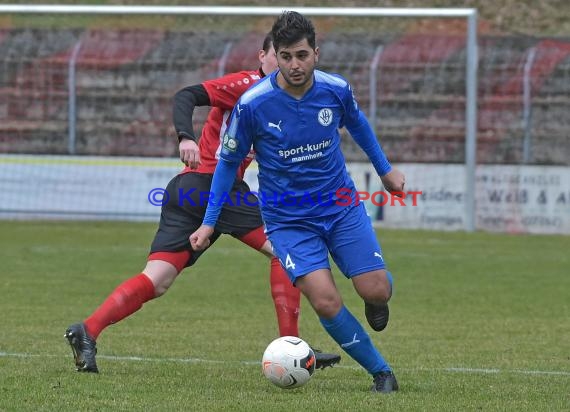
[(289, 263)]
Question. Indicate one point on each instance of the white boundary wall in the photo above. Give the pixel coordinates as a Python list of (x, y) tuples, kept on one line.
[(515, 199), (512, 199)]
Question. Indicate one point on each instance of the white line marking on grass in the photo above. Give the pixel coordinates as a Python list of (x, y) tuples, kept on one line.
[(199, 360), (473, 370), (527, 372)]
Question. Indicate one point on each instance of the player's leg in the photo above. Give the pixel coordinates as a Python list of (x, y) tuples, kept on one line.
[(126, 299), (286, 297), (243, 221), (358, 255), (344, 328), (355, 249), (306, 252), (287, 301), (169, 255), (375, 288), (158, 275)]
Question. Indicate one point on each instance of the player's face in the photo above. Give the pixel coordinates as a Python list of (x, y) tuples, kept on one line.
[(297, 64), (268, 60)]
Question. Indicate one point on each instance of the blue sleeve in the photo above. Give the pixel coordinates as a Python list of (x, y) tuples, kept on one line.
[(235, 147), (222, 182), (364, 136), (356, 123), (239, 134)]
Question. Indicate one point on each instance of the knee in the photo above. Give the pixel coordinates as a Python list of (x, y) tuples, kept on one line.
[(161, 288), (373, 298), (162, 276), (327, 306), (376, 289), (376, 296), (383, 294), (163, 283), (267, 250), (380, 294)]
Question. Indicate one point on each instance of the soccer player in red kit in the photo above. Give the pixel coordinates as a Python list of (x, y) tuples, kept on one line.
[(182, 213)]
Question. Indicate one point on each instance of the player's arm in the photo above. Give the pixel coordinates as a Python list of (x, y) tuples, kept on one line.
[(222, 183), (364, 136), (185, 101), (359, 128), (222, 92), (392, 179), (235, 147)]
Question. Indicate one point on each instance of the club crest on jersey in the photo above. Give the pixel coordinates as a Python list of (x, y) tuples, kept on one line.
[(229, 143), (325, 116)]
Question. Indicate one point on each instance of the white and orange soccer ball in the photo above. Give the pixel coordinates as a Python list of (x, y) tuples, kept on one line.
[(288, 362)]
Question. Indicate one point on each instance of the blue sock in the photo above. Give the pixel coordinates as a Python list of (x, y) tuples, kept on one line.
[(391, 281), (345, 329)]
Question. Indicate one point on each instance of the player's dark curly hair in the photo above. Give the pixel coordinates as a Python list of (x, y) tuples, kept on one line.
[(267, 42), (292, 27)]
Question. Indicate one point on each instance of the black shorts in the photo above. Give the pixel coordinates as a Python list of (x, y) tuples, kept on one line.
[(184, 211)]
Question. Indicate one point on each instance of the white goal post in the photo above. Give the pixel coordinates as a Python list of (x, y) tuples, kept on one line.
[(466, 13)]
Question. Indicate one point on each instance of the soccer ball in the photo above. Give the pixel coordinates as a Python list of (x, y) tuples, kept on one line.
[(288, 362)]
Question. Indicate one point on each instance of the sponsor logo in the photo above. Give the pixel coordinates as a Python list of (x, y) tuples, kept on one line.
[(230, 143), (276, 126), (349, 344)]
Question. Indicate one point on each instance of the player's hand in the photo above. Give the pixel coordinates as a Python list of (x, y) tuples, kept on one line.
[(200, 239), (189, 153), (394, 182)]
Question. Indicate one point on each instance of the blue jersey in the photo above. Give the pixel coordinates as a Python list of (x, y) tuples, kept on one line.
[(302, 170)]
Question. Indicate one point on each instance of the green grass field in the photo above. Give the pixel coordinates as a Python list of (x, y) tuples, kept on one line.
[(479, 322)]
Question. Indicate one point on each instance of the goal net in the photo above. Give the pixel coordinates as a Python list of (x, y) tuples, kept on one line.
[(86, 97)]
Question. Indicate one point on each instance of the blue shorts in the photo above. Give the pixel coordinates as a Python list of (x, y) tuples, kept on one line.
[(303, 246)]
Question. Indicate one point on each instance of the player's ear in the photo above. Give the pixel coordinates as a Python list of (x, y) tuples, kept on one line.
[(316, 54)]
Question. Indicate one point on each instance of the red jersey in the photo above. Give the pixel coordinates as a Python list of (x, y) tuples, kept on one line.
[(224, 93)]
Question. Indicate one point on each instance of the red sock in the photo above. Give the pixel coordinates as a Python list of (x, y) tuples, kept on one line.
[(125, 300), (287, 300)]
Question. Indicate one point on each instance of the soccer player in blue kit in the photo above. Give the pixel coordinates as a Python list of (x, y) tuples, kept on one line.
[(292, 119)]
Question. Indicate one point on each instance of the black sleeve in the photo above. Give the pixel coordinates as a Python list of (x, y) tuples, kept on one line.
[(183, 109)]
